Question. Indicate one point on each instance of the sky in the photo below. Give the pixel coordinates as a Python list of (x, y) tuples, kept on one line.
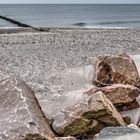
[(73, 1)]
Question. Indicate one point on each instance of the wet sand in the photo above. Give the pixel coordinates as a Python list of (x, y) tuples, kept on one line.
[(56, 63)]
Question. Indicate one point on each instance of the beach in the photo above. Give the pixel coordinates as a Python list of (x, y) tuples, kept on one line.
[(69, 70), (57, 63), (40, 57)]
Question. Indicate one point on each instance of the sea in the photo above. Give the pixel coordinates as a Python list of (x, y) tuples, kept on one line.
[(72, 15)]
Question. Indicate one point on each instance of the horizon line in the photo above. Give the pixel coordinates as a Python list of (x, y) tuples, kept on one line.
[(71, 3)]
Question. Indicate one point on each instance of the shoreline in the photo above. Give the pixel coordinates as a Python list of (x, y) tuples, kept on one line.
[(37, 57), (57, 62), (11, 30)]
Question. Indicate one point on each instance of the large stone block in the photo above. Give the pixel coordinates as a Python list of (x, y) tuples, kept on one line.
[(66, 138), (119, 94), (112, 132), (114, 69), (83, 117), (21, 117)]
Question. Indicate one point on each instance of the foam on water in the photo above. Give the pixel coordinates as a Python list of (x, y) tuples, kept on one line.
[(75, 81)]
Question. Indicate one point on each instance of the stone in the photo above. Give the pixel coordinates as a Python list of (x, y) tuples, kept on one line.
[(124, 137), (127, 120), (138, 123), (134, 127), (117, 131), (96, 126), (70, 125), (128, 106), (120, 95), (21, 117), (115, 69), (78, 119), (108, 120), (66, 138)]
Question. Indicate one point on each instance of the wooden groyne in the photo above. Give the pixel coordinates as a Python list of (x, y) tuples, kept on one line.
[(18, 23)]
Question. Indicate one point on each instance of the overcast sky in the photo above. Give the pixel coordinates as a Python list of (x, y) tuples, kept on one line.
[(71, 1)]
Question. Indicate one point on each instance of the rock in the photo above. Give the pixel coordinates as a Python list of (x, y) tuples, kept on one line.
[(120, 95), (65, 138), (82, 118), (96, 126), (128, 106), (127, 120), (108, 120), (124, 137), (116, 131), (134, 127), (66, 125), (138, 123), (21, 117), (114, 69)]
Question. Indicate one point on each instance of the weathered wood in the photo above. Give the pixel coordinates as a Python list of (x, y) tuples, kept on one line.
[(18, 23)]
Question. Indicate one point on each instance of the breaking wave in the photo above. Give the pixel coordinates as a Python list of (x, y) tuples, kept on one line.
[(108, 24)]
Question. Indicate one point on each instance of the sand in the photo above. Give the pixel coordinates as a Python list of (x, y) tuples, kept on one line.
[(56, 62)]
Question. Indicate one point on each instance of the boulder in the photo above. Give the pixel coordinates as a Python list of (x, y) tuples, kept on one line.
[(127, 120), (66, 138), (96, 126), (108, 120), (133, 136), (83, 117), (133, 126), (128, 106), (138, 123), (114, 69), (21, 117), (120, 95), (117, 131)]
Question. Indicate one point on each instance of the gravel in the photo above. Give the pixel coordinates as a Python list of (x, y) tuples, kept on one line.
[(43, 58)]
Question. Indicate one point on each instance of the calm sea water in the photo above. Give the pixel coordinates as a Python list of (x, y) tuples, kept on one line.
[(73, 15)]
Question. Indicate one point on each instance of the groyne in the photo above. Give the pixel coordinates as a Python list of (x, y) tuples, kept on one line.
[(18, 23)]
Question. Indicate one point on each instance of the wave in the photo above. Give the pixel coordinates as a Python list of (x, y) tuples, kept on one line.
[(110, 24), (105, 27), (81, 24), (118, 22)]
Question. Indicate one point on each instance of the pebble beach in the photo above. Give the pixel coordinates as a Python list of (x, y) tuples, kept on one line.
[(44, 60), (37, 57)]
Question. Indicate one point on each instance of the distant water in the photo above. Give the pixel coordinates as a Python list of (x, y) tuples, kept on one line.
[(94, 16)]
